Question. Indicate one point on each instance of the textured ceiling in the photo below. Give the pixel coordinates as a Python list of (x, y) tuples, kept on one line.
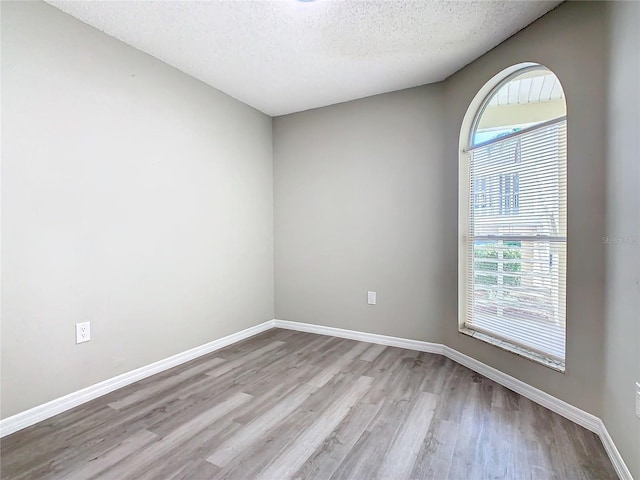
[(283, 56)]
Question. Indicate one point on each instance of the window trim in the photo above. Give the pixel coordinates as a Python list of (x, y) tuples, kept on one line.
[(468, 128)]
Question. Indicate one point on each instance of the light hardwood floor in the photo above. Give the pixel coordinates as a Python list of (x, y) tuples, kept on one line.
[(286, 404)]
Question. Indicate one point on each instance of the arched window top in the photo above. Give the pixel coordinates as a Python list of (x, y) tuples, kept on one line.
[(529, 97)]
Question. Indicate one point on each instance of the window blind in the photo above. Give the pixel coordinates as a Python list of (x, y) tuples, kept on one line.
[(517, 239)]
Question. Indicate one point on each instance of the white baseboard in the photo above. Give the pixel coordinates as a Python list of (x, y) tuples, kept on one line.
[(361, 336), (54, 407), (575, 414), (614, 455)]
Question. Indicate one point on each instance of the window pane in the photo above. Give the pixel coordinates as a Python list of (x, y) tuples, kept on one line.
[(530, 98), (523, 197), (521, 295)]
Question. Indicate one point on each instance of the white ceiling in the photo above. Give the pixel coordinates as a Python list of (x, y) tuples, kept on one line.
[(284, 56), (532, 87)]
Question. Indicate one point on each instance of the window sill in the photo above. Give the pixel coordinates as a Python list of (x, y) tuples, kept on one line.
[(520, 351)]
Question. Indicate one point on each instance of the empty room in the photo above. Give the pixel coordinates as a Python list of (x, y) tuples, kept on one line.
[(320, 239)]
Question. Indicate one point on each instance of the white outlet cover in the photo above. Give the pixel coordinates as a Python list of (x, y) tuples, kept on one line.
[(83, 332), (371, 298)]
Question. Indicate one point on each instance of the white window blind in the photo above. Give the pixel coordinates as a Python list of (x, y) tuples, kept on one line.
[(516, 242)]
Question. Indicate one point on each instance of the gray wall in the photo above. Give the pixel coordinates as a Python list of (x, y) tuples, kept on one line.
[(622, 323), (359, 206), (571, 41), (133, 196)]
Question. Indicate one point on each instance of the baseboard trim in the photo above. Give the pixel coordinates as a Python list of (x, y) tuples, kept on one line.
[(614, 455), (575, 414), (360, 336), (54, 407)]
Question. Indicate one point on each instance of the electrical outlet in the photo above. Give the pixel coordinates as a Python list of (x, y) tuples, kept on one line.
[(638, 399), (371, 298), (83, 332)]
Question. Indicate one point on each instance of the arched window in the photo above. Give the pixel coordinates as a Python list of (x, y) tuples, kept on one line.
[(513, 214)]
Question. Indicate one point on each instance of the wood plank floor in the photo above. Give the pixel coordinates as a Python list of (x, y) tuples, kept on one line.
[(286, 404)]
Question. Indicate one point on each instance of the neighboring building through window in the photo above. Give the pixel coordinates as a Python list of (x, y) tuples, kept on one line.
[(509, 193), (481, 194), (513, 211)]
